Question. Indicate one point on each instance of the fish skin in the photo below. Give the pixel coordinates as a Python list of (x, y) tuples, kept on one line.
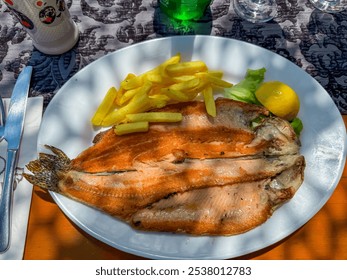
[(117, 177), (198, 135)]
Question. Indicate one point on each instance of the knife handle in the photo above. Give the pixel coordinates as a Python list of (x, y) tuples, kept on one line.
[(6, 200)]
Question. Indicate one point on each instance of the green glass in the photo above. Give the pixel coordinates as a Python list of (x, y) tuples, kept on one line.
[(184, 9)]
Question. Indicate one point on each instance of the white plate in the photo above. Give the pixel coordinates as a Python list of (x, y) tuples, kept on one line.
[(66, 125)]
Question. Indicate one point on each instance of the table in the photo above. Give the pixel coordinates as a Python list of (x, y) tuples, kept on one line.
[(313, 40)]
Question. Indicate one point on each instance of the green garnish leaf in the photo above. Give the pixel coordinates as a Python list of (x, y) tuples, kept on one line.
[(257, 121), (245, 90), (297, 125)]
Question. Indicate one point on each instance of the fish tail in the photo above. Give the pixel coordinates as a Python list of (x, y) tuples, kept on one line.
[(48, 169)]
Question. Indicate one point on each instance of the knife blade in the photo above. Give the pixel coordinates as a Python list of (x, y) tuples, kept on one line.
[(13, 135)]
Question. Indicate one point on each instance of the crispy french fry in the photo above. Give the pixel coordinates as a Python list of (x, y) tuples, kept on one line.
[(154, 117), (145, 88), (158, 74), (120, 93), (126, 128), (155, 90), (183, 78), (160, 80), (178, 95), (158, 100), (132, 82), (106, 105), (154, 77), (215, 80), (209, 101), (172, 60), (128, 77), (127, 95), (139, 103), (186, 86), (199, 88), (186, 68), (215, 73)]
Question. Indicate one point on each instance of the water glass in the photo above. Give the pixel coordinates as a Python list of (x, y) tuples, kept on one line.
[(330, 6), (255, 10)]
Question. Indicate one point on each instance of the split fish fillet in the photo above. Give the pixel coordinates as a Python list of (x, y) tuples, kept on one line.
[(203, 175), (221, 210)]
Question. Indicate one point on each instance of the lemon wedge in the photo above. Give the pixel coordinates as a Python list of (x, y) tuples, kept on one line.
[(279, 98)]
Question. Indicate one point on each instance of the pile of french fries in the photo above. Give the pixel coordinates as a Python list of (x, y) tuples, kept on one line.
[(170, 82)]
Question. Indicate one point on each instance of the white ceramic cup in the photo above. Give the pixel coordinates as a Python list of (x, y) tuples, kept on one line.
[(48, 22)]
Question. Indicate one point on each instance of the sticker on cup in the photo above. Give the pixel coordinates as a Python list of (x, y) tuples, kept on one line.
[(48, 22)]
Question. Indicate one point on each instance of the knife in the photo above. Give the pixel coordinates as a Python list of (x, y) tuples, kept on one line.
[(13, 134)]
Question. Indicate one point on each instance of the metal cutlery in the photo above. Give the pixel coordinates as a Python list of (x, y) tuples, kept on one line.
[(12, 133), (2, 119)]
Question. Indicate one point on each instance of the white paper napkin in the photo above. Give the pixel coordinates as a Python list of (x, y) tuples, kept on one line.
[(23, 191)]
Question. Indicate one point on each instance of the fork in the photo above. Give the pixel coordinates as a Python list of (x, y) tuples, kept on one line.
[(2, 119)]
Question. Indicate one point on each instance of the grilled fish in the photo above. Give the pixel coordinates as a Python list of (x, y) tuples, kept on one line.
[(221, 210), (167, 178)]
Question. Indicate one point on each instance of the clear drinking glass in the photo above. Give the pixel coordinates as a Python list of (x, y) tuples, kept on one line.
[(330, 6), (256, 10)]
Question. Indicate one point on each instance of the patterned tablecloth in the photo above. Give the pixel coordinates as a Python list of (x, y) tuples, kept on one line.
[(313, 40)]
